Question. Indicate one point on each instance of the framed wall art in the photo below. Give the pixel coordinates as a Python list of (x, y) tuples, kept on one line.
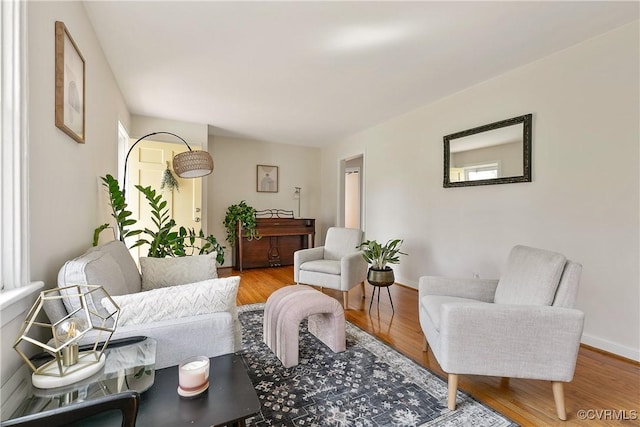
[(267, 179), (70, 79)]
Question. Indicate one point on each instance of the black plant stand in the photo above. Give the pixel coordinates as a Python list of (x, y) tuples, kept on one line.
[(378, 286)]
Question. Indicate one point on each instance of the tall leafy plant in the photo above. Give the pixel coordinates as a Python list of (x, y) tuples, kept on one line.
[(160, 239), (190, 243), (163, 240), (119, 211)]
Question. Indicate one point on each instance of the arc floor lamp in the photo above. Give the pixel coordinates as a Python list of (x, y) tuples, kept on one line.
[(188, 164)]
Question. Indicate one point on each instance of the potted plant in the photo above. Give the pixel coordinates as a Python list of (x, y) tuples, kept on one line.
[(378, 256), (164, 240), (247, 217)]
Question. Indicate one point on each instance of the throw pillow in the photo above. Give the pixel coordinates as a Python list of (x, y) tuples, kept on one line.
[(173, 302), (531, 277), (95, 268), (163, 272)]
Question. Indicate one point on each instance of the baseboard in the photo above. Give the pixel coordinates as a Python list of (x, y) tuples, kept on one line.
[(611, 347)]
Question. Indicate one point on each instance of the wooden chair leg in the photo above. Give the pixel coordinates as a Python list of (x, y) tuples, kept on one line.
[(363, 293), (345, 299), (452, 388), (425, 344), (558, 396)]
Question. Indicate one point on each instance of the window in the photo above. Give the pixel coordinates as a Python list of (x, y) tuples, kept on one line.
[(14, 253), (476, 173)]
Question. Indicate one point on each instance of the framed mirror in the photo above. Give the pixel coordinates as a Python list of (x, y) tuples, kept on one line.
[(497, 153)]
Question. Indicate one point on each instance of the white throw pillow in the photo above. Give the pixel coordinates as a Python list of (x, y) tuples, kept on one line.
[(173, 302), (163, 272)]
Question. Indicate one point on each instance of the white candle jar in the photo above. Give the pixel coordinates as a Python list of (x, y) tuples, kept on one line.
[(193, 375)]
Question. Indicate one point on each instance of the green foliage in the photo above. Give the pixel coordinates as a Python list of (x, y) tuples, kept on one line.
[(96, 233), (247, 217), (168, 180), (189, 243), (378, 255), (163, 240), (160, 239), (118, 210)]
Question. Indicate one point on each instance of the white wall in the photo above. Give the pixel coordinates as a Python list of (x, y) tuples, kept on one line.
[(64, 174), (583, 201), (234, 179), (193, 133), (63, 188)]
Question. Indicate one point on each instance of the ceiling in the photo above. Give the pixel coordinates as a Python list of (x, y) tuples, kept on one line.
[(310, 73)]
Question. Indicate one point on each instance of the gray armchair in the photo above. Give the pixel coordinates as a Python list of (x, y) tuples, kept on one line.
[(336, 265), (522, 326)]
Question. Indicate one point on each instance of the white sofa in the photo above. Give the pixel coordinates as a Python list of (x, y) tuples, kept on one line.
[(180, 336)]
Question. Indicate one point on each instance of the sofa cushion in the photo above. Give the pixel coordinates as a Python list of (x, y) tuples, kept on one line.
[(94, 268), (120, 253), (163, 272), (173, 302), (531, 277), (322, 266)]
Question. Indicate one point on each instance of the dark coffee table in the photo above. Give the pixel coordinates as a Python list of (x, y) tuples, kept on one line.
[(230, 399)]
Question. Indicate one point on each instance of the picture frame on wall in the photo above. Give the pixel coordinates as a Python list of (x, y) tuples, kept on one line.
[(70, 84), (267, 179)]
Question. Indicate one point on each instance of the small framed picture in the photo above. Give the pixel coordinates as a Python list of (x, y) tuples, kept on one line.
[(69, 85), (267, 179)]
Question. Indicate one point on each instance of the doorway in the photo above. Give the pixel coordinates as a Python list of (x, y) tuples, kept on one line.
[(351, 192), (147, 164), (352, 197)]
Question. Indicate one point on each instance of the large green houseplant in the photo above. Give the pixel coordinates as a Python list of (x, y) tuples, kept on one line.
[(164, 240), (378, 256)]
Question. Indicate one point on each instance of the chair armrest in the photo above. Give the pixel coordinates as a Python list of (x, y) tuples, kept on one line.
[(478, 289), (539, 342), (127, 402), (304, 255), (353, 268)]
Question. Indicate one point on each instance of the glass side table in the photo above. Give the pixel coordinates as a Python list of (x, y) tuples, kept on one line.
[(130, 365)]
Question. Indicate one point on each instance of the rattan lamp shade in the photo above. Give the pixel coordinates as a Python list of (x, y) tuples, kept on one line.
[(192, 164)]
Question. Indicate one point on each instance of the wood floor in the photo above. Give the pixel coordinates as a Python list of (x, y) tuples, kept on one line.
[(606, 387)]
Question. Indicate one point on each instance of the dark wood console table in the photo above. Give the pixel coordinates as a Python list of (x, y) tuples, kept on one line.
[(278, 239)]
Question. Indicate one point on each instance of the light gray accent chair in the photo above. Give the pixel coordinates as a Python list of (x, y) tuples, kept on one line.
[(336, 265), (112, 266), (521, 326)]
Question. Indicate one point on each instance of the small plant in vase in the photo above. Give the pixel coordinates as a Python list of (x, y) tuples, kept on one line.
[(378, 256)]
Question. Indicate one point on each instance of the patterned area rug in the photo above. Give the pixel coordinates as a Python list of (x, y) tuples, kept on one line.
[(370, 384)]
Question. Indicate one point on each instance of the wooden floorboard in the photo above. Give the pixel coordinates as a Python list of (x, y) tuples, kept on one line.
[(605, 386)]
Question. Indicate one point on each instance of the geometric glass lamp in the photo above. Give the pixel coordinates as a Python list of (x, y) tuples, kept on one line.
[(89, 322)]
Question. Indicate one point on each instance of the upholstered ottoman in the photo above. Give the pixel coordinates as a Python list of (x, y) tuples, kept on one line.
[(284, 311)]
